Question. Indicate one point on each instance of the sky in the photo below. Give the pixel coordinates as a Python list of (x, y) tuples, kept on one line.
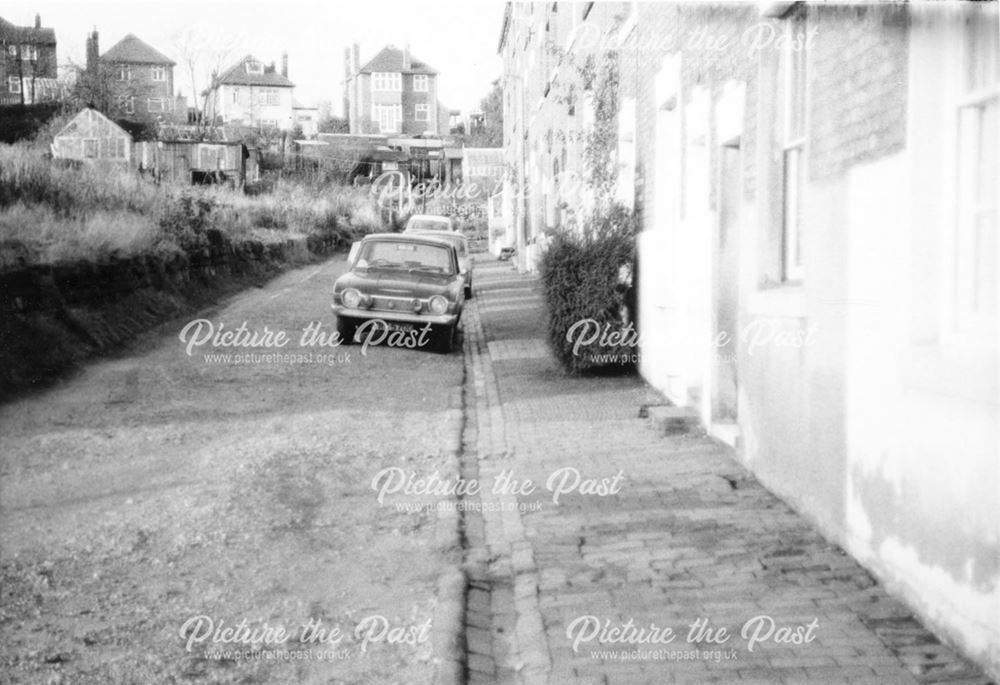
[(457, 38)]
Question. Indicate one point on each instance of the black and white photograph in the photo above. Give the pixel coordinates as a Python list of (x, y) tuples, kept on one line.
[(472, 342)]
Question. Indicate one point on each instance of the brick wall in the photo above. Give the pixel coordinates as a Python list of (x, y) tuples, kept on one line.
[(858, 87)]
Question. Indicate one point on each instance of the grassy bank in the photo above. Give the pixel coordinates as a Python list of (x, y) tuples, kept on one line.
[(52, 213)]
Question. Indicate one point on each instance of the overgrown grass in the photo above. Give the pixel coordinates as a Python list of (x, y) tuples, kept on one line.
[(52, 212)]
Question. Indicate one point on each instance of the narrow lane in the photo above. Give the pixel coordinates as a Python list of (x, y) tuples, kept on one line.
[(160, 486)]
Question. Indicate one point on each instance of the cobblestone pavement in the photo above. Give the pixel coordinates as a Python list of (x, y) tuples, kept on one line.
[(689, 536)]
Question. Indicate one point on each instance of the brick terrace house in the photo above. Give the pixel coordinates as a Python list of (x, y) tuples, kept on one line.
[(251, 93), (394, 92), (816, 187), (28, 67), (142, 77)]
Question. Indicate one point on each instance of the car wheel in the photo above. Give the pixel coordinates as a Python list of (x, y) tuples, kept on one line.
[(447, 338), (346, 328)]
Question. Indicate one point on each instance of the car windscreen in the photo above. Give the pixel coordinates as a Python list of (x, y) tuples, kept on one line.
[(406, 256), (423, 224)]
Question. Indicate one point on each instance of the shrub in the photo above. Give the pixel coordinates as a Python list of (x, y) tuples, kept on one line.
[(186, 222), (585, 277)]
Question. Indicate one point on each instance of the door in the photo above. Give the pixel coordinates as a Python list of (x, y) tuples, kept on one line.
[(727, 284)]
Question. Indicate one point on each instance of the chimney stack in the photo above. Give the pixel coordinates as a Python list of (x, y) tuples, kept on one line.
[(406, 58), (38, 21), (93, 52), (284, 64), (356, 61)]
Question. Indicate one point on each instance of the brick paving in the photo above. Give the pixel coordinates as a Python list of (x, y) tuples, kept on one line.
[(690, 535)]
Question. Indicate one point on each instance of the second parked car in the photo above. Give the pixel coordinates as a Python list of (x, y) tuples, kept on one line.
[(461, 244)]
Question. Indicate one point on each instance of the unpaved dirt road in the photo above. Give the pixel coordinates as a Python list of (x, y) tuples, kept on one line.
[(159, 487)]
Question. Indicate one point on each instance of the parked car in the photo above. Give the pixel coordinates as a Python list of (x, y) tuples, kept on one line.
[(461, 244), (429, 222), (402, 282)]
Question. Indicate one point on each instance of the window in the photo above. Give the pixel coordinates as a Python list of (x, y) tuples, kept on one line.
[(268, 97), (12, 50), (387, 117), (158, 73), (123, 72), (254, 67), (29, 53), (236, 96), (793, 144), (269, 123), (127, 104), (420, 83), (156, 105), (422, 112), (978, 119), (90, 148), (13, 84), (387, 81)]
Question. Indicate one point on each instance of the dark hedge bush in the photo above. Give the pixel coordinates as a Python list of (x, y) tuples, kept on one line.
[(587, 276)]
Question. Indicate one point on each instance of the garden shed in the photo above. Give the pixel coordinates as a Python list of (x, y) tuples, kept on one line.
[(92, 136)]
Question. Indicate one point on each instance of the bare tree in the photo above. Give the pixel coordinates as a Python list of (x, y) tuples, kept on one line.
[(202, 57), (103, 89)]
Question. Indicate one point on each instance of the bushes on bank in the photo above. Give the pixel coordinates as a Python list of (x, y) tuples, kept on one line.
[(586, 278)]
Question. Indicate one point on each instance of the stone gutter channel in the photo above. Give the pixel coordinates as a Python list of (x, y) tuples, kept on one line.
[(497, 637)]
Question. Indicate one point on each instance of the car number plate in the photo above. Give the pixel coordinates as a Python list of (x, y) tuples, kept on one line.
[(396, 326)]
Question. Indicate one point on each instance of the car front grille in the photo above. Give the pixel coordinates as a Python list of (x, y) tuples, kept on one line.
[(398, 304)]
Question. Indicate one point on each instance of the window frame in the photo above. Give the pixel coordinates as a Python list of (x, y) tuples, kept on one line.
[(162, 105), (254, 66), (158, 73), (423, 79), (970, 103), (387, 81), (794, 127), (14, 84), (421, 108), (396, 116), (124, 72)]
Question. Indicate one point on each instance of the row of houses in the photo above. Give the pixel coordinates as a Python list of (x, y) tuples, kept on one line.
[(394, 92), (134, 82), (816, 190)]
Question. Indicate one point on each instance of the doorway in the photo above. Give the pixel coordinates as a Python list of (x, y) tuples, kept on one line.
[(726, 286)]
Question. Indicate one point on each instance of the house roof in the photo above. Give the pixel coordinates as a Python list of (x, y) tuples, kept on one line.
[(390, 59), (237, 75), (27, 34), (132, 50)]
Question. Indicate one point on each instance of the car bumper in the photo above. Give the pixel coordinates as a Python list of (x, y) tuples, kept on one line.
[(397, 317)]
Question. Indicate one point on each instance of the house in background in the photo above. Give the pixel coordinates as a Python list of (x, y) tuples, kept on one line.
[(306, 118), (142, 78), (92, 137), (254, 94), (28, 68), (394, 92)]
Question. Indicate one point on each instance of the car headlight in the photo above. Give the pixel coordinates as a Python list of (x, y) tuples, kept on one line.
[(438, 305), (351, 298)]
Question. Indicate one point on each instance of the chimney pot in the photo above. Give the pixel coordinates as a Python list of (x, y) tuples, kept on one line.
[(284, 64), (38, 20), (406, 57)]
